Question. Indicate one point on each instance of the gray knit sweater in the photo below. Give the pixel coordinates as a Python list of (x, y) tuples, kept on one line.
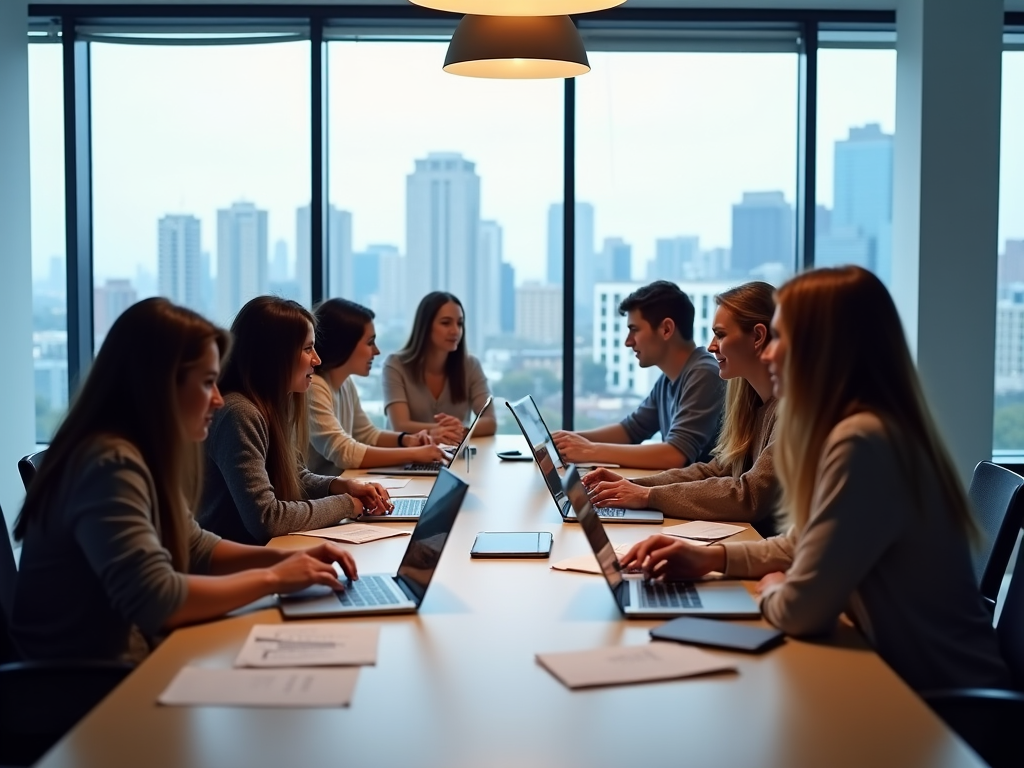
[(239, 501), (710, 492)]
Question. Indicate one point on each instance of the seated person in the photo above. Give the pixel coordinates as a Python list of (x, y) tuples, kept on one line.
[(432, 383), (739, 483), (257, 484), (341, 435), (879, 523), (685, 404), (111, 556)]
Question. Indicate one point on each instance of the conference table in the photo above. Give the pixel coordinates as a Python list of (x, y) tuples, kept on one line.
[(457, 684)]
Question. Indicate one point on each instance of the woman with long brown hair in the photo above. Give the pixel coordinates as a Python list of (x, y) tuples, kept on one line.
[(739, 483), (880, 526), (257, 484), (111, 555), (433, 383)]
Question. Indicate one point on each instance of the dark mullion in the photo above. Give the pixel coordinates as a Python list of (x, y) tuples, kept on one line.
[(78, 203), (318, 232), (807, 144), (569, 258)]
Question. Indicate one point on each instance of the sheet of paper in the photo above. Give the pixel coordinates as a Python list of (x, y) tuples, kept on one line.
[(354, 533), (702, 530), (197, 686), (392, 482), (309, 645), (587, 563), (631, 664)]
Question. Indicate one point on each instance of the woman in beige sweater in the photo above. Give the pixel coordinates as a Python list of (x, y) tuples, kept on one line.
[(880, 525), (739, 483)]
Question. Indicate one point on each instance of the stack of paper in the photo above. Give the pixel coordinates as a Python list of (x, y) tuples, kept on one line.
[(354, 533), (631, 664), (587, 563), (702, 530)]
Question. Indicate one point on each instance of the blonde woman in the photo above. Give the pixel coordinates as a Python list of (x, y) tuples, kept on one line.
[(879, 522), (739, 483)]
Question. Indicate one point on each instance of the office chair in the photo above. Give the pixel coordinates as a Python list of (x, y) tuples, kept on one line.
[(998, 505), (40, 701), (29, 465), (989, 719)]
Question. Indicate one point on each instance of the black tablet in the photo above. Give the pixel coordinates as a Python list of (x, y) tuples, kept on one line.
[(512, 544), (718, 634)]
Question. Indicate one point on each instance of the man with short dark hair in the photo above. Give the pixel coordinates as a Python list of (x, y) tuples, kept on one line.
[(685, 404)]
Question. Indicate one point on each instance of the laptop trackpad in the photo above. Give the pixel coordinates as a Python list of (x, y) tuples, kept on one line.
[(309, 593)]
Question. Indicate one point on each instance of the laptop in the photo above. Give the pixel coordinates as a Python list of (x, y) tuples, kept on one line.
[(528, 418), (432, 468), (560, 463), (385, 593), (639, 599)]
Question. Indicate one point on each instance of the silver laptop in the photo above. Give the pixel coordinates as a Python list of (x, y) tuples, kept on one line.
[(385, 593), (639, 599), (560, 463), (432, 468), (528, 418)]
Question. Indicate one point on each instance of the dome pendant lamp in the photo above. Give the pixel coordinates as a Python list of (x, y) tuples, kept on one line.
[(516, 47), (519, 7)]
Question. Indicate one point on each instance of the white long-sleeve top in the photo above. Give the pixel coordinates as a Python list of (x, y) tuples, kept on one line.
[(339, 429)]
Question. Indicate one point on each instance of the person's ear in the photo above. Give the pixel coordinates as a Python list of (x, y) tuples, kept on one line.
[(667, 328), (760, 337)]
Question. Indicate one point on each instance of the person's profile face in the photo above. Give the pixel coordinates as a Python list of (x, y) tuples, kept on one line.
[(302, 376), (198, 396), (361, 360), (774, 355), (738, 353), (642, 339), (446, 331)]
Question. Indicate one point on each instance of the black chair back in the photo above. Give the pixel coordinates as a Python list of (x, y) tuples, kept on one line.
[(1010, 626), (8, 574), (998, 506), (29, 465)]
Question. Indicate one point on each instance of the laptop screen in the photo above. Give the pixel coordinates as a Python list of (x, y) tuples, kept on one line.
[(431, 532), (536, 433), (588, 520), (469, 432)]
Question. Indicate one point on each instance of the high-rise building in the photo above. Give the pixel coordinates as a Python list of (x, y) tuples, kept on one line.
[(241, 257), (762, 232), (1011, 263), (508, 298), (863, 193), (279, 271), (583, 245), (109, 301), (671, 257), (489, 261), (390, 301), (1010, 340), (365, 276), (338, 261), (442, 207), (539, 313), (615, 262), (179, 260)]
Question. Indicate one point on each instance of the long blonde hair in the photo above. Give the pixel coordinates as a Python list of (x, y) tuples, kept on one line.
[(750, 304), (846, 354)]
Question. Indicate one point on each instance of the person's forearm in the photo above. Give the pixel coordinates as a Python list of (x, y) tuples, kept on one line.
[(408, 425), (211, 596), (486, 426), (611, 433), (232, 557), (387, 439), (376, 456), (645, 456)]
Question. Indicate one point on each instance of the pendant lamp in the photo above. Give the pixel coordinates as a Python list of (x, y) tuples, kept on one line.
[(519, 47), (519, 7)]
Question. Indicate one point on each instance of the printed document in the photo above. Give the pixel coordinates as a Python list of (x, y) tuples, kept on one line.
[(702, 530), (354, 533), (309, 645), (198, 686), (631, 664)]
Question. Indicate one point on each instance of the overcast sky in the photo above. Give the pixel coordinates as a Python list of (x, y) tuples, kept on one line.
[(666, 143)]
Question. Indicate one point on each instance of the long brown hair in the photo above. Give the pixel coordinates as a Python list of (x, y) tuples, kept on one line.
[(269, 333), (414, 354), (131, 393), (750, 304), (847, 354)]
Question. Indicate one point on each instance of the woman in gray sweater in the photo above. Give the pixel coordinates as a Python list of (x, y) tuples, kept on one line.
[(257, 483), (879, 524), (739, 483), (111, 555)]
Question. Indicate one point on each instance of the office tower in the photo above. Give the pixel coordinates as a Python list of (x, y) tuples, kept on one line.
[(279, 272), (57, 278), (762, 232), (671, 257), (1010, 339), (822, 220), (489, 259), (442, 208), (207, 291), (615, 262), (109, 301), (539, 313), (583, 245), (843, 245), (365, 276), (862, 203), (179, 260), (712, 264), (390, 301), (508, 298), (241, 257), (337, 256), (1011, 263)]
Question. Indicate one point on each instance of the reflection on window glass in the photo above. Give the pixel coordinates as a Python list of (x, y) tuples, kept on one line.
[(1009, 374), (856, 120), (200, 161), (49, 299), (695, 185), (445, 185)]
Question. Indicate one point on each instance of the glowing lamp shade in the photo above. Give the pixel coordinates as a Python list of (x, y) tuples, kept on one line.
[(516, 47), (519, 7)]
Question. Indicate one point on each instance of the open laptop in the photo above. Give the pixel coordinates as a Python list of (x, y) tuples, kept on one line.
[(385, 593), (432, 468), (639, 599), (560, 463), (528, 418)]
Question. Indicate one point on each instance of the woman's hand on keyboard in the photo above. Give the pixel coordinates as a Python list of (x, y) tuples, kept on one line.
[(667, 558), (313, 566), (608, 489), (374, 497), (428, 453)]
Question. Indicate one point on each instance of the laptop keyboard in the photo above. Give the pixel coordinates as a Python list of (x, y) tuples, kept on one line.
[(670, 594), (369, 590), (610, 512), (430, 466), (407, 507)]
